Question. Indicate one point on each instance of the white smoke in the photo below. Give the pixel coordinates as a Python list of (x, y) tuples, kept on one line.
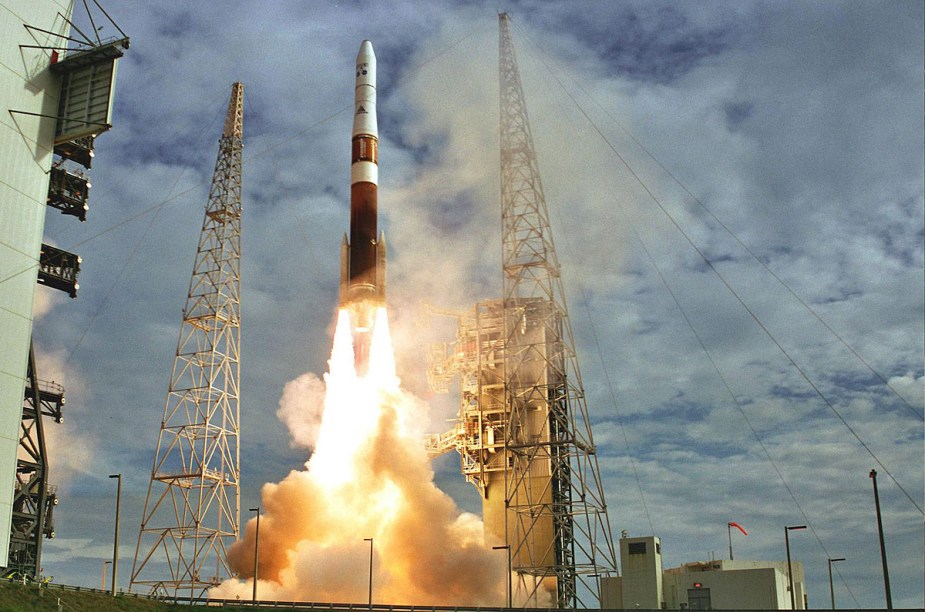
[(301, 407)]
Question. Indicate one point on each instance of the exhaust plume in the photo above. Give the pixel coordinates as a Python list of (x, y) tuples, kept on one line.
[(368, 477)]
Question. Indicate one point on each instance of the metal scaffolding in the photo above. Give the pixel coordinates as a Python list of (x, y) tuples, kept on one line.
[(34, 499), (192, 510), (477, 357), (523, 433), (553, 486)]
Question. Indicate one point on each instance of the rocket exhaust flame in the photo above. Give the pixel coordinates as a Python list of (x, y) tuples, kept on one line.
[(368, 476)]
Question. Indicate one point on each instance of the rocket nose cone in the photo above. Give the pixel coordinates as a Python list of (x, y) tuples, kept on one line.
[(366, 51)]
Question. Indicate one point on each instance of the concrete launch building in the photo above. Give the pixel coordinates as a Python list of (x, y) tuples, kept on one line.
[(56, 96), (26, 141)]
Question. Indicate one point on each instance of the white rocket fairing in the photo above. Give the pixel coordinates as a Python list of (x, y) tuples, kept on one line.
[(362, 281)]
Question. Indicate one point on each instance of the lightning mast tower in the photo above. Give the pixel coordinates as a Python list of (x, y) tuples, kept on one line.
[(192, 510), (552, 484)]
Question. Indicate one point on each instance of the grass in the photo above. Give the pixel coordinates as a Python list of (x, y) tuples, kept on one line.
[(17, 597)]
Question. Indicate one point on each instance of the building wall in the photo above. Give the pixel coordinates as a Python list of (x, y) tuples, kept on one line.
[(612, 593), (740, 585), (641, 560), (26, 142)]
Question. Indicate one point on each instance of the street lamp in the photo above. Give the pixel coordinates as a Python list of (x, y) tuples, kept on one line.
[(370, 540), (256, 549), (115, 539), (831, 584), (507, 547), (787, 531), (103, 575)]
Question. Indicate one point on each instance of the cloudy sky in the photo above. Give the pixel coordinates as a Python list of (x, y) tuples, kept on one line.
[(736, 193)]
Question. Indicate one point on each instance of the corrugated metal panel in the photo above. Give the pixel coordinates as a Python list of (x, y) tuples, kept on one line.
[(86, 101)]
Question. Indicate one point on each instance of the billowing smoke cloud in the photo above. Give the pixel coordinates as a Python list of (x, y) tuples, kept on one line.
[(301, 408), (44, 301), (73, 448), (368, 477), (444, 221)]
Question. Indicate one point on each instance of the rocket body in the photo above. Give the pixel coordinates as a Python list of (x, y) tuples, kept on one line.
[(362, 284)]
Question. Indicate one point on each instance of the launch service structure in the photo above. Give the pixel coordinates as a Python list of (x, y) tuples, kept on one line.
[(523, 434), (58, 93), (192, 510), (362, 267)]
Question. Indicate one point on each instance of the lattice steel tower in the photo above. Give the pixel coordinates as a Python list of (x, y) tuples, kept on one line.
[(553, 485), (192, 511)]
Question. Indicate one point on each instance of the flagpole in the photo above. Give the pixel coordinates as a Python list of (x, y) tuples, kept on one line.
[(729, 526), (729, 533)]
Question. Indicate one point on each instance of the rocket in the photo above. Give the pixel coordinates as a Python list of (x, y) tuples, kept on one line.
[(362, 267)]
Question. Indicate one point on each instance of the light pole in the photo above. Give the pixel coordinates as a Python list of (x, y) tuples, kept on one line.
[(787, 531), (115, 539), (507, 547), (370, 540), (256, 549), (886, 570), (831, 584), (103, 575)]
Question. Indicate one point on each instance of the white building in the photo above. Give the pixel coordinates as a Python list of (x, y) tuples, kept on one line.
[(55, 97), (27, 85), (709, 585), (739, 585)]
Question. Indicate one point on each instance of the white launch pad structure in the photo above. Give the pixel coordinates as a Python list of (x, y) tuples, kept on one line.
[(523, 432)]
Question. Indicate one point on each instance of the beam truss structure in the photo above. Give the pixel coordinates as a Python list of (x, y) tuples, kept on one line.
[(192, 510), (34, 499), (553, 484)]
